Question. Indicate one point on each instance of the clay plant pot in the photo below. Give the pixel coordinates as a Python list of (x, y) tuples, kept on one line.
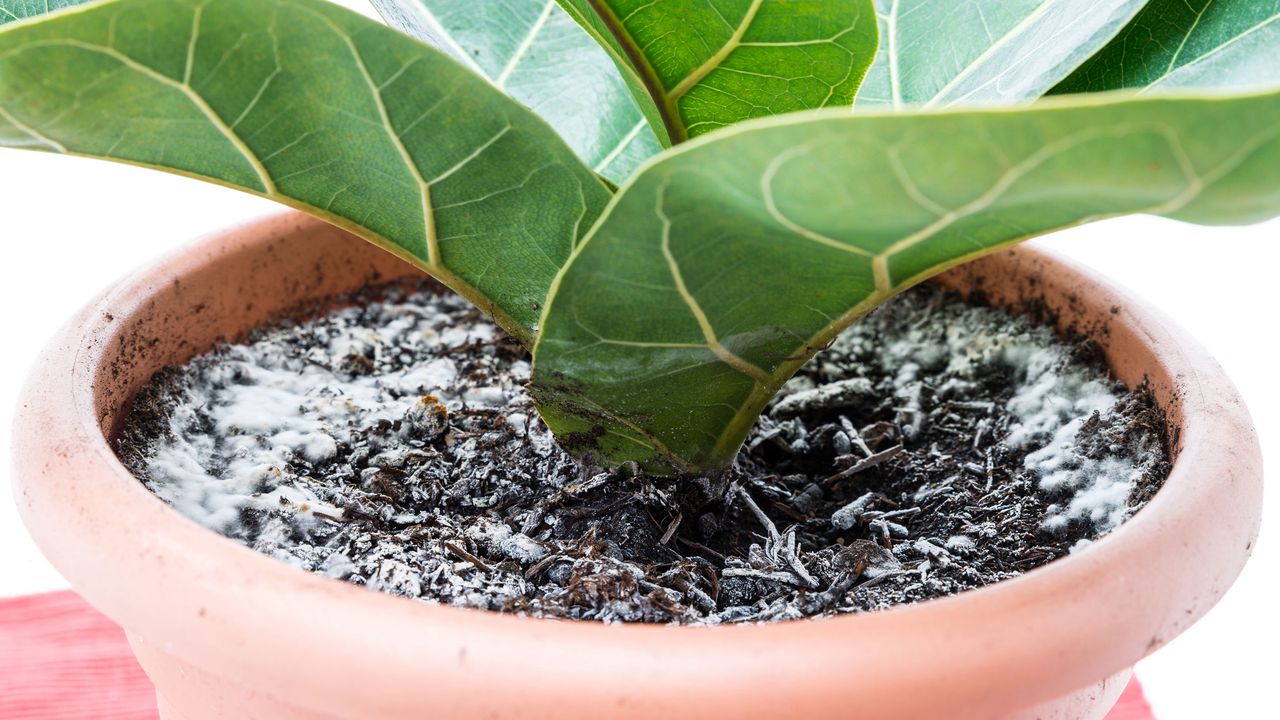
[(227, 633)]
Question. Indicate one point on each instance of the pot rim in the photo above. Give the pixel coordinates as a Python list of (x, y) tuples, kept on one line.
[(1055, 629)]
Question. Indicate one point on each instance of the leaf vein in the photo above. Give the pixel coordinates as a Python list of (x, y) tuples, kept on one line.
[(37, 135), (695, 308), (711, 63), (525, 44), (196, 99), (771, 205)]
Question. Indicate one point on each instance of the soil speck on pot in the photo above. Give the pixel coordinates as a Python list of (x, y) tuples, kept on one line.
[(936, 447)]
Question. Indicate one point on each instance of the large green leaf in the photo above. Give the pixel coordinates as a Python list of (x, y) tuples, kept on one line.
[(320, 109), (537, 54), (1188, 43), (698, 65), (937, 53), (722, 268)]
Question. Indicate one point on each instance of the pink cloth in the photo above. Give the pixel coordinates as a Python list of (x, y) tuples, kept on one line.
[(62, 660)]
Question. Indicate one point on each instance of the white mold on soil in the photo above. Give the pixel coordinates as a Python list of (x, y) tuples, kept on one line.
[(935, 447), (1053, 396)]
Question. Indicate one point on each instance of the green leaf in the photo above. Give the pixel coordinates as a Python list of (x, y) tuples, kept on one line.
[(320, 109), (698, 65), (11, 10), (1188, 44), (537, 54), (939, 53), (723, 267)]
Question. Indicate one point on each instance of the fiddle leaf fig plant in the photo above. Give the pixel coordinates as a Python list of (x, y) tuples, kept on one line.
[(663, 315)]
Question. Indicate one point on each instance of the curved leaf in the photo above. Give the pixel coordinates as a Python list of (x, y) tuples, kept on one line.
[(537, 54), (698, 65), (320, 109), (722, 268), (1188, 43), (938, 53)]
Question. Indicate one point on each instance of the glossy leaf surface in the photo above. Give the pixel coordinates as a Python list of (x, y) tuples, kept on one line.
[(1175, 44), (939, 53), (698, 65), (320, 109)]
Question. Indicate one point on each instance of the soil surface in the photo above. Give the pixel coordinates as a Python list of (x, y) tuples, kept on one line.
[(936, 447)]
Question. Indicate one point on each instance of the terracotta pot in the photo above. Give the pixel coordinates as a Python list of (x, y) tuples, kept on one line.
[(227, 633)]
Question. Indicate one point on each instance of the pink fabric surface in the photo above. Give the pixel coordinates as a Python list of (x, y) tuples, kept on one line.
[(62, 660)]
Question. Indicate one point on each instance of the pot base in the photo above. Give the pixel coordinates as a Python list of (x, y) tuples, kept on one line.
[(1091, 703), (192, 694), (198, 695)]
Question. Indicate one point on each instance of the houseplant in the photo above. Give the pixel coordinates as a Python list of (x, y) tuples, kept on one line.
[(74, 82)]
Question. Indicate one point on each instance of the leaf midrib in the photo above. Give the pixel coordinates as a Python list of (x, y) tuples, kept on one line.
[(512, 64), (699, 73), (1031, 19), (32, 132), (434, 262), (722, 353), (1186, 37), (187, 91), (666, 101), (525, 43), (644, 71)]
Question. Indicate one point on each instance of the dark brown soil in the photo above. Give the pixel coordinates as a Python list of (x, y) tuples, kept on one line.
[(893, 469)]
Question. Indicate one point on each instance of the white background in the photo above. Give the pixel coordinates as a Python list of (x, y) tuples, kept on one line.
[(72, 226)]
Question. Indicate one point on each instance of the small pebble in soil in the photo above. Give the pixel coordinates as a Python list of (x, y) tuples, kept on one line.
[(936, 447)]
